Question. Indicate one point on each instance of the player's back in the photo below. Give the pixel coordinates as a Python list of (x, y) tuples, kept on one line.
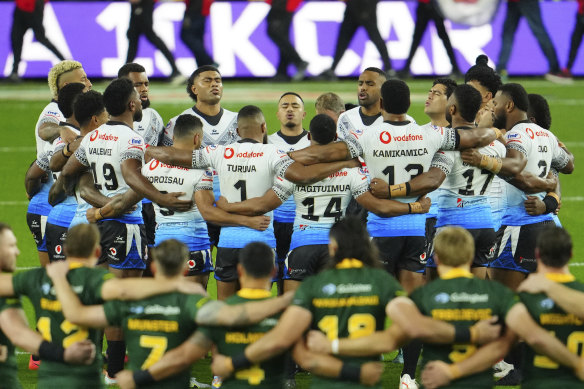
[(354, 119), (540, 371), (347, 300), (153, 326), (233, 341), (461, 299)]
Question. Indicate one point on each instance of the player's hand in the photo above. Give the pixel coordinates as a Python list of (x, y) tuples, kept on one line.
[(534, 206), (67, 134), (379, 188), (172, 202), (91, 215), (317, 342), (260, 223), (471, 157), (125, 379), (354, 162), (535, 283), (552, 182), (436, 374), (187, 286), (371, 373), (426, 203), (58, 269), (486, 330), (221, 366), (222, 203), (80, 353)]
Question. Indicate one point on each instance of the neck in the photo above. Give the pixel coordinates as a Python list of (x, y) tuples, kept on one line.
[(543, 269), (444, 269), (257, 137), (184, 145), (371, 110), (296, 130), (515, 117), (208, 109), (392, 117), (164, 278), (439, 120), (256, 283), (457, 121), (126, 118), (85, 261)]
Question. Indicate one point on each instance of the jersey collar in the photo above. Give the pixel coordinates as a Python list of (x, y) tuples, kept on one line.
[(560, 277), (249, 293), (117, 123), (247, 140), (457, 273), (75, 265), (402, 123), (349, 263)]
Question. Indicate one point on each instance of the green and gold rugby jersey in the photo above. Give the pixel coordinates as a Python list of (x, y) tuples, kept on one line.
[(153, 326), (232, 341), (461, 299), (8, 368), (86, 283), (347, 302), (540, 371)]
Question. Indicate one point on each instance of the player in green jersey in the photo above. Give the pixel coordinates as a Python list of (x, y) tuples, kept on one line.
[(155, 324), (15, 330)]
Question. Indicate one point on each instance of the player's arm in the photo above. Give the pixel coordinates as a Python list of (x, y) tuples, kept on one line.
[(61, 156), (332, 152), (205, 200), (71, 171), (305, 175), (57, 192), (49, 131), (89, 192), (33, 179), (568, 168), (389, 208), (141, 288), (417, 186), (510, 166), (6, 287), (562, 295), (131, 170), (477, 137), (114, 207), (252, 207), (530, 183), (170, 155)]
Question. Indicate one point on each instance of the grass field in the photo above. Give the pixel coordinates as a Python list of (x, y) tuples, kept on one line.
[(21, 104)]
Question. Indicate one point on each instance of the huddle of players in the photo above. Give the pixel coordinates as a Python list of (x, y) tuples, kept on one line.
[(254, 177)]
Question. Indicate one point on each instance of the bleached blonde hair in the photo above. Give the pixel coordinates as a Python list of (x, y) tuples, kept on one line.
[(454, 246), (58, 70)]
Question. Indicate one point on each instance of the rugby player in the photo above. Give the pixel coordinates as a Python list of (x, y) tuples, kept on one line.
[(330, 104)]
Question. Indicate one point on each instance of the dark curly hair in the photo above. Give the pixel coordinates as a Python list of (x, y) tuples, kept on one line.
[(485, 75)]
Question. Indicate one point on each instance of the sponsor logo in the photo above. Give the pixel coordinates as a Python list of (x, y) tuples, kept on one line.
[(214, 132), (442, 298), (46, 288), (522, 260), (119, 239), (212, 147), (423, 257), (192, 264), (329, 289), (547, 303), (281, 152), (208, 173), (469, 298), (135, 141), (58, 249), (251, 154), (530, 133), (113, 251), (339, 174), (153, 164), (137, 310), (357, 133), (303, 227), (160, 310), (514, 136), (459, 203), (106, 137), (385, 137), (353, 288), (93, 135), (229, 153)]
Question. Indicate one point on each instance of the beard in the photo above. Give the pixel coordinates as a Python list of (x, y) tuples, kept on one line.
[(145, 103), (290, 125), (137, 115), (499, 121)]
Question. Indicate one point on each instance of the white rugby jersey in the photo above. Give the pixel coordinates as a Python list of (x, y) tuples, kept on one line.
[(169, 179), (223, 132), (540, 148), (353, 120), (246, 169), (50, 114), (103, 150), (151, 127), (286, 212), (398, 152)]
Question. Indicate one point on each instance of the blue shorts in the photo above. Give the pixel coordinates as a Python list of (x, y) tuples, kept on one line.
[(123, 245)]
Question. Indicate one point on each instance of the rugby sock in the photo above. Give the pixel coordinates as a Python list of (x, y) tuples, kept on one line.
[(411, 355), (116, 352)]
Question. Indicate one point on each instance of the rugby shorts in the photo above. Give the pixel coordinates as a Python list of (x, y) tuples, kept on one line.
[(123, 245), (55, 237), (214, 231), (199, 263), (37, 225), (402, 253), (485, 242), (226, 264), (149, 217), (304, 261)]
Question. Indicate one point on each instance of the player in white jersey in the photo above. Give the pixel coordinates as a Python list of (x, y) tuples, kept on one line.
[(246, 169), (291, 136), (531, 151), (330, 104)]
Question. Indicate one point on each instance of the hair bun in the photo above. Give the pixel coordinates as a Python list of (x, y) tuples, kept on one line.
[(482, 60)]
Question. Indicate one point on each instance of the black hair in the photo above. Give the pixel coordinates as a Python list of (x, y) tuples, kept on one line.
[(172, 256), (323, 129), (187, 125), (396, 96), (195, 74), (257, 259), (484, 74), (349, 106), (291, 93), (353, 242), (376, 70), (555, 246), (131, 67), (539, 109), (517, 94), (87, 105), (249, 111), (468, 101), (448, 83), (67, 96), (117, 94)]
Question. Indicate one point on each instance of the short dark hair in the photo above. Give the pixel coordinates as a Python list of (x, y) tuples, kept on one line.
[(290, 93), (396, 96), (195, 74), (117, 94), (67, 96), (249, 111), (555, 246), (257, 259), (539, 109), (354, 242), (517, 94), (323, 129), (484, 74), (81, 240), (468, 101), (131, 67), (172, 256), (87, 105), (376, 70), (187, 125), (448, 83)]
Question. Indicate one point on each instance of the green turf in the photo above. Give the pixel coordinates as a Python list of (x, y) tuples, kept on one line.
[(21, 104)]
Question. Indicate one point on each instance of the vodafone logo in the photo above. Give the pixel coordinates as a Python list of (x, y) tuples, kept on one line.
[(58, 249), (93, 136), (154, 164), (423, 256), (229, 153), (192, 264), (113, 251), (385, 137), (530, 133)]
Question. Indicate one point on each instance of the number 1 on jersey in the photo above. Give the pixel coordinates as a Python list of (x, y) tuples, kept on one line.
[(241, 186)]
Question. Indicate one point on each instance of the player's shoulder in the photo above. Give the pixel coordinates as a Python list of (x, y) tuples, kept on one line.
[(52, 109), (350, 114), (229, 115)]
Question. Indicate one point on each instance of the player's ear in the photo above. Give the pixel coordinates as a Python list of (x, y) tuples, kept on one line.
[(97, 251), (436, 259), (381, 104), (265, 127), (237, 130), (239, 270), (153, 268), (510, 105), (487, 97), (274, 272)]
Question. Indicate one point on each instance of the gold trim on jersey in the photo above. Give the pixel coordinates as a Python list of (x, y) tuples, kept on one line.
[(457, 272), (75, 264), (349, 263), (249, 293), (560, 277)]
